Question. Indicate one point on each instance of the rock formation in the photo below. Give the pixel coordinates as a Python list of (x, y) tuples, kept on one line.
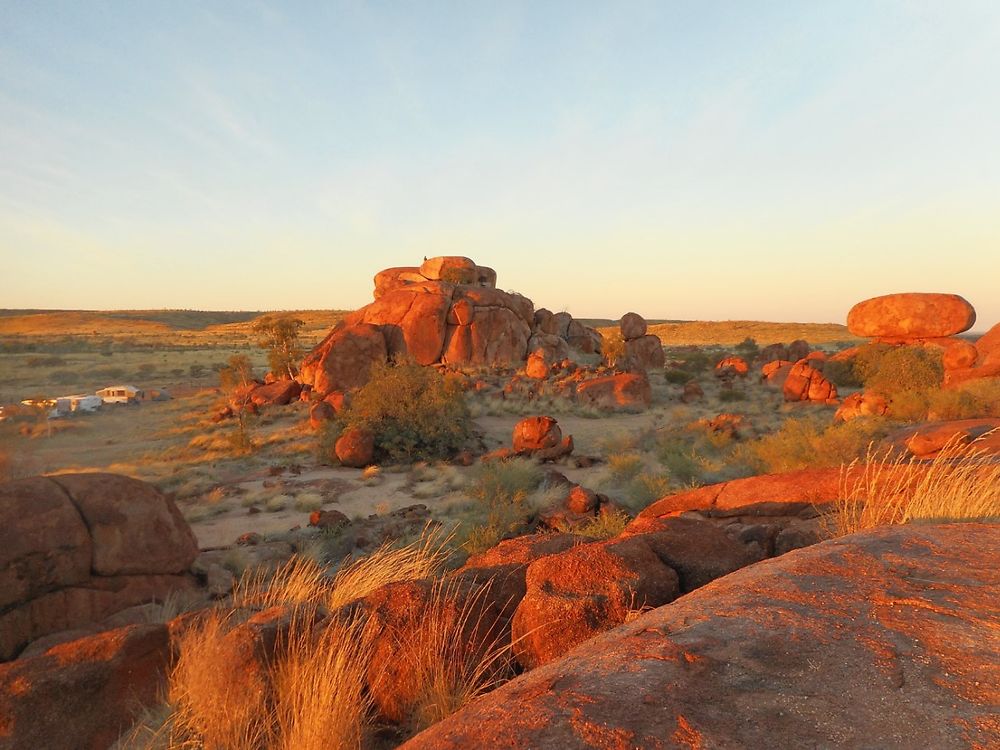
[(842, 644), (911, 316), (75, 548), (447, 311), (642, 351)]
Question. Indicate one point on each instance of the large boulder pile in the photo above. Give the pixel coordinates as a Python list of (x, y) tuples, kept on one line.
[(76, 548), (882, 639), (930, 320), (448, 311)]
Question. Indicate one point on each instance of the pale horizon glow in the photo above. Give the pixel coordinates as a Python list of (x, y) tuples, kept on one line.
[(698, 161)]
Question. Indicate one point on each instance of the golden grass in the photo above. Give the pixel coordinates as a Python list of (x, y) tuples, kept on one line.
[(730, 332), (316, 691), (962, 483)]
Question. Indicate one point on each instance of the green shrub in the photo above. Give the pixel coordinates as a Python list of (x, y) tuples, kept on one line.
[(728, 395), (676, 376), (623, 467), (747, 348), (678, 458), (646, 488), (414, 412), (811, 443), (503, 488), (907, 368), (692, 359), (613, 348), (842, 373), (604, 526)]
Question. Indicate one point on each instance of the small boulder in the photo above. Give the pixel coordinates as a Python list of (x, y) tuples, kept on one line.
[(959, 355), (633, 326), (732, 367), (355, 447), (806, 383), (625, 391), (536, 433)]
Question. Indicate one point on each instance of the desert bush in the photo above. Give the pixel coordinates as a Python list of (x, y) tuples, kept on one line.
[(676, 376), (613, 348), (279, 335), (810, 442), (414, 412), (623, 467), (842, 373), (961, 483), (693, 359), (895, 369), (747, 348), (729, 395), (646, 487), (679, 459), (502, 488)]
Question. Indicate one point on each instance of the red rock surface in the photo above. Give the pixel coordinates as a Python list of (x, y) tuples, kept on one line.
[(767, 494), (806, 383), (355, 447), (958, 355), (988, 345), (81, 695), (344, 358), (861, 404), (535, 433), (645, 352), (885, 639), (925, 440), (732, 366), (626, 391), (911, 315)]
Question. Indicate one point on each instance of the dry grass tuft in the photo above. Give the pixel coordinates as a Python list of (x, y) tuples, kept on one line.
[(961, 483)]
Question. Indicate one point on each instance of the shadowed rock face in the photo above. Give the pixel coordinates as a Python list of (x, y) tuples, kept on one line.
[(885, 639), (76, 548)]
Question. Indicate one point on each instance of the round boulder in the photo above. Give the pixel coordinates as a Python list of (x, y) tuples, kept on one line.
[(911, 315)]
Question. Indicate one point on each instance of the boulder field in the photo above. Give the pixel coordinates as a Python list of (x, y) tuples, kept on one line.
[(880, 639), (448, 311)]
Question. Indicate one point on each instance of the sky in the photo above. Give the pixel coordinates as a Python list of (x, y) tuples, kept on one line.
[(686, 160)]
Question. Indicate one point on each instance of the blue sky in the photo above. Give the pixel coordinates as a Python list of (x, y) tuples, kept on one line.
[(699, 160)]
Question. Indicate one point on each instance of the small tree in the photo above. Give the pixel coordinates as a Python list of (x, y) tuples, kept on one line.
[(235, 380), (279, 335), (613, 348)]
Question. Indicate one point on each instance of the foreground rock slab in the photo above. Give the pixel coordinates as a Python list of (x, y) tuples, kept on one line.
[(883, 639)]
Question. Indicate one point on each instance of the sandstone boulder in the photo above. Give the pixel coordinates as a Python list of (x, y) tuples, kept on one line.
[(988, 346), (645, 352), (277, 393), (574, 595), (625, 391), (633, 326), (806, 383), (344, 358), (535, 434), (911, 315), (732, 367), (884, 639), (454, 269), (320, 414), (861, 404), (355, 447), (959, 355)]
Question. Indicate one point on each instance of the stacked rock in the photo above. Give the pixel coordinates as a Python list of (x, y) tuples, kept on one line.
[(446, 311), (643, 351)]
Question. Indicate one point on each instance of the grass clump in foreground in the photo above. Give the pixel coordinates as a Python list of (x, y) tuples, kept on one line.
[(962, 483), (318, 689)]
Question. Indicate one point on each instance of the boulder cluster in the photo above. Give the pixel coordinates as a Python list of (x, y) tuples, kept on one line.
[(642, 350), (448, 311), (927, 319)]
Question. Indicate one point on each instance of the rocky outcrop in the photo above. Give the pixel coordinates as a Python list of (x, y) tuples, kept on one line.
[(911, 316), (76, 548), (839, 645), (926, 440), (448, 311), (861, 404)]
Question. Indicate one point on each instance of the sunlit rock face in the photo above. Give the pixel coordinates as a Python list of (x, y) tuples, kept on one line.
[(880, 639), (446, 311)]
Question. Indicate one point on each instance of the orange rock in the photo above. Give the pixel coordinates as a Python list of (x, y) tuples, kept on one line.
[(392, 278), (344, 358), (536, 367), (276, 393), (867, 404), (632, 325), (911, 315), (623, 391), (731, 366), (536, 433), (960, 355), (355, 447), (455, 269), (850, 631), (772, 367), (576, 594), (806, 383), (988, 346)]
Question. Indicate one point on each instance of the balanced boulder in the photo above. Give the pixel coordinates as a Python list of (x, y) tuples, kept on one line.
[(911, 316)]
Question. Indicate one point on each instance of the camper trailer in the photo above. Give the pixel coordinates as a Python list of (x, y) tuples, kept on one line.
[(120, 394), (81, 402)]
